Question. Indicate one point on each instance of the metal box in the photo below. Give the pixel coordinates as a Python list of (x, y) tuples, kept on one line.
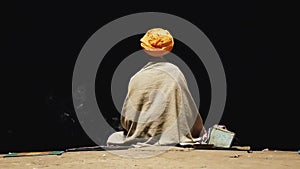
[(220, 137)]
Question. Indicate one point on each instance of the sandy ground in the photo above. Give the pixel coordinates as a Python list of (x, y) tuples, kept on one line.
[(172, 158)]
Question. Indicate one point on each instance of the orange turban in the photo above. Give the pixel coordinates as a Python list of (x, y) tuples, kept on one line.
[(157, 42)]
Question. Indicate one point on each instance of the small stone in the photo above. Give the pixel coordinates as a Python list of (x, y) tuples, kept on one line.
[(235, 156)]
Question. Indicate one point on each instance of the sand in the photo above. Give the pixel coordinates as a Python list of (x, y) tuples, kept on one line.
[(172, 158)]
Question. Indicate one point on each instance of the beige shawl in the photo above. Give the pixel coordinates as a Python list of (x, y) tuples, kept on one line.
[(158, 108)]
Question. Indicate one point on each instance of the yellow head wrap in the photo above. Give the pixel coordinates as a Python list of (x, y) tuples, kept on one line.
[(157, 42)]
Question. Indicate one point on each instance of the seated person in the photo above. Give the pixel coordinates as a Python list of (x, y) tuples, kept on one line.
[(158, 108)]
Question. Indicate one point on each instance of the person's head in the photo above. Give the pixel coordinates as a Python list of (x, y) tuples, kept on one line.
[(157, 42)]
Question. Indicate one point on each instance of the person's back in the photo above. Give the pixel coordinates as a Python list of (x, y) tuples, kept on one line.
[(158, 108)]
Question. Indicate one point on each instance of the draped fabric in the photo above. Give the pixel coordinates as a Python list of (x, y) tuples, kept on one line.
[(158, 108)]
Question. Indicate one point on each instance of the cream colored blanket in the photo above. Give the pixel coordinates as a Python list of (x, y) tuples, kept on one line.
[(158, 108)]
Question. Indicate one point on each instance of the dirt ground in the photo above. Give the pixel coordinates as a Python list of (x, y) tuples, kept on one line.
[(145, 158)]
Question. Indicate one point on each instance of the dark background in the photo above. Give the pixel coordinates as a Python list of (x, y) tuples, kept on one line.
[(41, 42)]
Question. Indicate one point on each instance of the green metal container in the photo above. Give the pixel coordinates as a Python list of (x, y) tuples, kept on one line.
[(220, 137)]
